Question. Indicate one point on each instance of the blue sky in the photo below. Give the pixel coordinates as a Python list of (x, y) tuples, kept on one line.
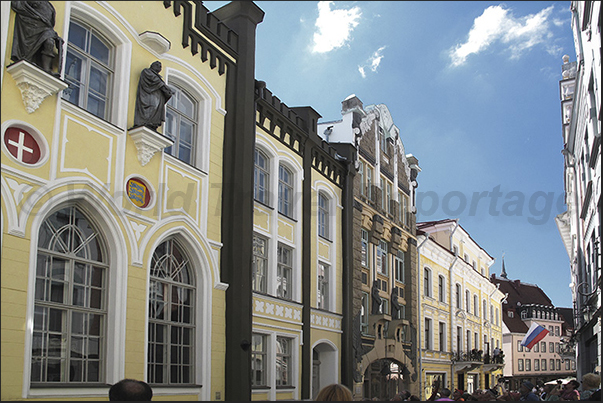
[(474, 89)]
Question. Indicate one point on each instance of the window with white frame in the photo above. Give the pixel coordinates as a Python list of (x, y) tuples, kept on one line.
[(403, 207), (427, 282), (283, 361), (89, 69), (543, 364), (484, 310), (543, 346), (382, 260), (323, 215), (519, 346), (369, 182), (536, 364), (467, 301), (441, 289), (364, 242), (260, 264), (259, 360), (459, 338), (361, 177), (552, 364), (364, 313), (558, 365), (382, 186), (323, 286), (528, 364), (442, 336), (261, 177), (491, 314), (428, 331), (476, 340), (468, 340), (400, 268), (285, 191), (388, 197), (284, 272), (70, 302), (475, 306), (459, 298), (384, 307), (551, 347), (171, 317), (181, 117)]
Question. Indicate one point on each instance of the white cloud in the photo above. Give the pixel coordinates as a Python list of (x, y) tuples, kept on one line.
[(333, 27), (517, 34), (373, 62)]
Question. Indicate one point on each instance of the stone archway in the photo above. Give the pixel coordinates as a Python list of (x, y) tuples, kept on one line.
[(324, 366), (384, 378)]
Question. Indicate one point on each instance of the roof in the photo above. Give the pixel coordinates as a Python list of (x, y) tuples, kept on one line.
[(426, 224), (522, 293)]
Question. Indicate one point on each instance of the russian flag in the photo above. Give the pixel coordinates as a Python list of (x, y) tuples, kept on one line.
[(534, 335)]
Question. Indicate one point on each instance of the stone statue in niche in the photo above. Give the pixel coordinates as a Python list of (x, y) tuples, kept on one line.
[(152, 95), (376, 299), (34, 37), (395, 304)]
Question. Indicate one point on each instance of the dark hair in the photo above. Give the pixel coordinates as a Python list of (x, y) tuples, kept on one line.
[(445, 392), (130, 390)]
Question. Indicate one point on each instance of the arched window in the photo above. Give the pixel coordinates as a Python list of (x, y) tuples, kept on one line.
[(261, 176), (427, 282), (171, 317), (441, 289), (70, 307), (181, 117), (285, 191), (323, 215), (89, 69)]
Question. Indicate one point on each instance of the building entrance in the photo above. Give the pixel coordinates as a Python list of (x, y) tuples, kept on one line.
[(384, 378)]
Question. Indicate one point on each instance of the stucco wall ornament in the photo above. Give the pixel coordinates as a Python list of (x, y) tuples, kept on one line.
[(34, 84), (148, 142)]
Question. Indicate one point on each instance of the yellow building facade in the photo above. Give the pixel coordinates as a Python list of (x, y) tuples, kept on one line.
[(460, 318), (297, 271), (112, 234)]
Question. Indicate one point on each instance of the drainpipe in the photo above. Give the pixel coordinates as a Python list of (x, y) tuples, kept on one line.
[(452, 233), (420, 316)]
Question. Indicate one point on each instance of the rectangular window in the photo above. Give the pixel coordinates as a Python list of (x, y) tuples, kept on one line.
[(567, 365), (384, 307), (459, 338), (520, 364), (476, 340), (497, 317), (388, 197), (528, 364), (323, 216), (285, 191), (552, 364), (557, 348), (364, 239), (427, 282), (459, 301), (551, 347), (258, 360), (519, 346), (400, 269), (283, 361), (260, 264), (369, 182), (362, 177), (543, 364), (543, 346), (536, 348), (442, 336), (284, 274), (556, 330), (468, 340), (427, 334), (536, 364), (467, 301), (558, 366), (441, 289), (323, 286), (382, 267), (364, 313)]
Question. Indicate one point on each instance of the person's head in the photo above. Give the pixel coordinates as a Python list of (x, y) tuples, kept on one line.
[(156, 66), (457, 394), (336, 392), (571, 385), (591, 381), (548, 387), (445, 392), (130, 390), (405, 394), (466, 396), (526, 387)]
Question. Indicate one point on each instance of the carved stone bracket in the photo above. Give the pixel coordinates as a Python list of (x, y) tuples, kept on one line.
[(34, 83), (148, 142)]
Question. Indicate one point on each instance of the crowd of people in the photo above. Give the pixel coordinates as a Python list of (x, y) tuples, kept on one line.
[(590, 389)]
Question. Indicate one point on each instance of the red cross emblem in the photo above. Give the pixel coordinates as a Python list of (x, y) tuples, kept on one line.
[(22, 145)]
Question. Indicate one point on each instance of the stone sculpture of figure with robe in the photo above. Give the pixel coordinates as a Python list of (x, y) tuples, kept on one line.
[(34, 37), (151, 97), (395, 304), (376, 299)]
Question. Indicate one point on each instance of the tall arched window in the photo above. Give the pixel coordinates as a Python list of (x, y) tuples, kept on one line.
[(285, 191), (261, 177), (171, 317), (89, 68), (323, 215), (70, 308), (181, 119)]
